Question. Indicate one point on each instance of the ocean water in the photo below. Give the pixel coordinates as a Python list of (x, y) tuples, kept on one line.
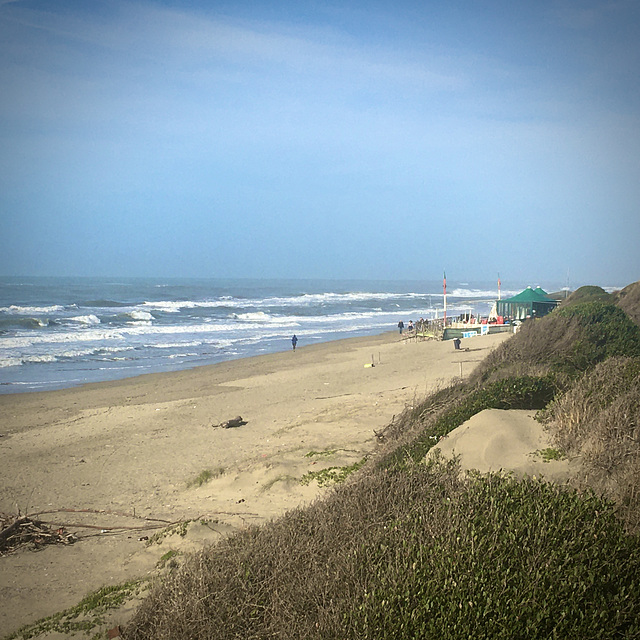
[(61, 332)]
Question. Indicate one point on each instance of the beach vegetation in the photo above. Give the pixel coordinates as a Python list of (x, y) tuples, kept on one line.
[(447, 411), (178, 529), (327, 452), (205, 476), (628, 299), (588, 293), (87, 615), (168, 559), (423, 552), (407, 548), (598, 421), (332, 475), (565, 343), (551, 453)]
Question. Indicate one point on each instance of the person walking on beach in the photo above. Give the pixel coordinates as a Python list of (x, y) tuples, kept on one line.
[(400, 326), (294, 341)]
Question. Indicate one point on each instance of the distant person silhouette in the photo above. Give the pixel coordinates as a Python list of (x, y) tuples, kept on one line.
[(294, 341)]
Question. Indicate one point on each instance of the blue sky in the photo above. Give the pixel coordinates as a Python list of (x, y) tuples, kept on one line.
[(321, 138)]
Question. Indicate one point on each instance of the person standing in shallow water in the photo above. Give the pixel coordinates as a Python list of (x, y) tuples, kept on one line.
[(294, 341)]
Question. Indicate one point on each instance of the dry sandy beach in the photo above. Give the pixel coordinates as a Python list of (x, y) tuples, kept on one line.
[(129, 449)]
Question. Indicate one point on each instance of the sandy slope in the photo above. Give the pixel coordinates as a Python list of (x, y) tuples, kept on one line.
[(495, 440)]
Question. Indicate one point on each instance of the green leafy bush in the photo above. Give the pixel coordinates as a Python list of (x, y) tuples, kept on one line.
[(607, 331), (588, 293), (519, 559)]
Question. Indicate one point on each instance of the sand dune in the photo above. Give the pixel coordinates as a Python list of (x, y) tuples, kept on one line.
[(496, 440)]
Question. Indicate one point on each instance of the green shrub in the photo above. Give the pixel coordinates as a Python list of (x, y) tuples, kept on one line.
[(588, 293), (608, 331), (520, 559), (87, 615), (597, 421), (331, 475)]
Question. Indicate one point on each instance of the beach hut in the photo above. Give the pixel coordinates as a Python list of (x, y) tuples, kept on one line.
[(530, 303)]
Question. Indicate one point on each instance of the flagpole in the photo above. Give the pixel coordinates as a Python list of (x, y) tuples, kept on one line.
[(444, 288), (499, 298)]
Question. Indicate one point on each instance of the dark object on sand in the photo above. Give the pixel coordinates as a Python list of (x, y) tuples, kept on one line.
[(234, 422), (18, 532)]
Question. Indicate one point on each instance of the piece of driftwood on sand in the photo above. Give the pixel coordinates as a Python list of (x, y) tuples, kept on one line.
[(234, 422)]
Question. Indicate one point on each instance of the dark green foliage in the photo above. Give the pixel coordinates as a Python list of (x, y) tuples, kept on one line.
[(607, 331), (588, 293), (519, 559)]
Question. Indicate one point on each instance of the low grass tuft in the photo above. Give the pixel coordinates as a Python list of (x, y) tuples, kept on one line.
[(204, 476)]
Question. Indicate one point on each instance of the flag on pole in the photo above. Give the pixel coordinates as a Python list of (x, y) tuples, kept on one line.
[(499, 287), (444, 289)]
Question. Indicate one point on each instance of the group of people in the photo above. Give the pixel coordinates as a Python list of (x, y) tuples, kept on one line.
[(420, 325)]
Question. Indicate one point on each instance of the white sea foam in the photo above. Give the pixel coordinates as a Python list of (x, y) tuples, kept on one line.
[(88, 319), (27, 310), (101, 337), (140, 316), (177, 345), (264, 318), (314, 299), (175, 306), (305, 300), (17, 361), (10, 362)]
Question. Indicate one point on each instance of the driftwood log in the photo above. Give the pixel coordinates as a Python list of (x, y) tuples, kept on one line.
[(234, 422)]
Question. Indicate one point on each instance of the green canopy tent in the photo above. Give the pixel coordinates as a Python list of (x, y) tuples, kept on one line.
[(533, 303)]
